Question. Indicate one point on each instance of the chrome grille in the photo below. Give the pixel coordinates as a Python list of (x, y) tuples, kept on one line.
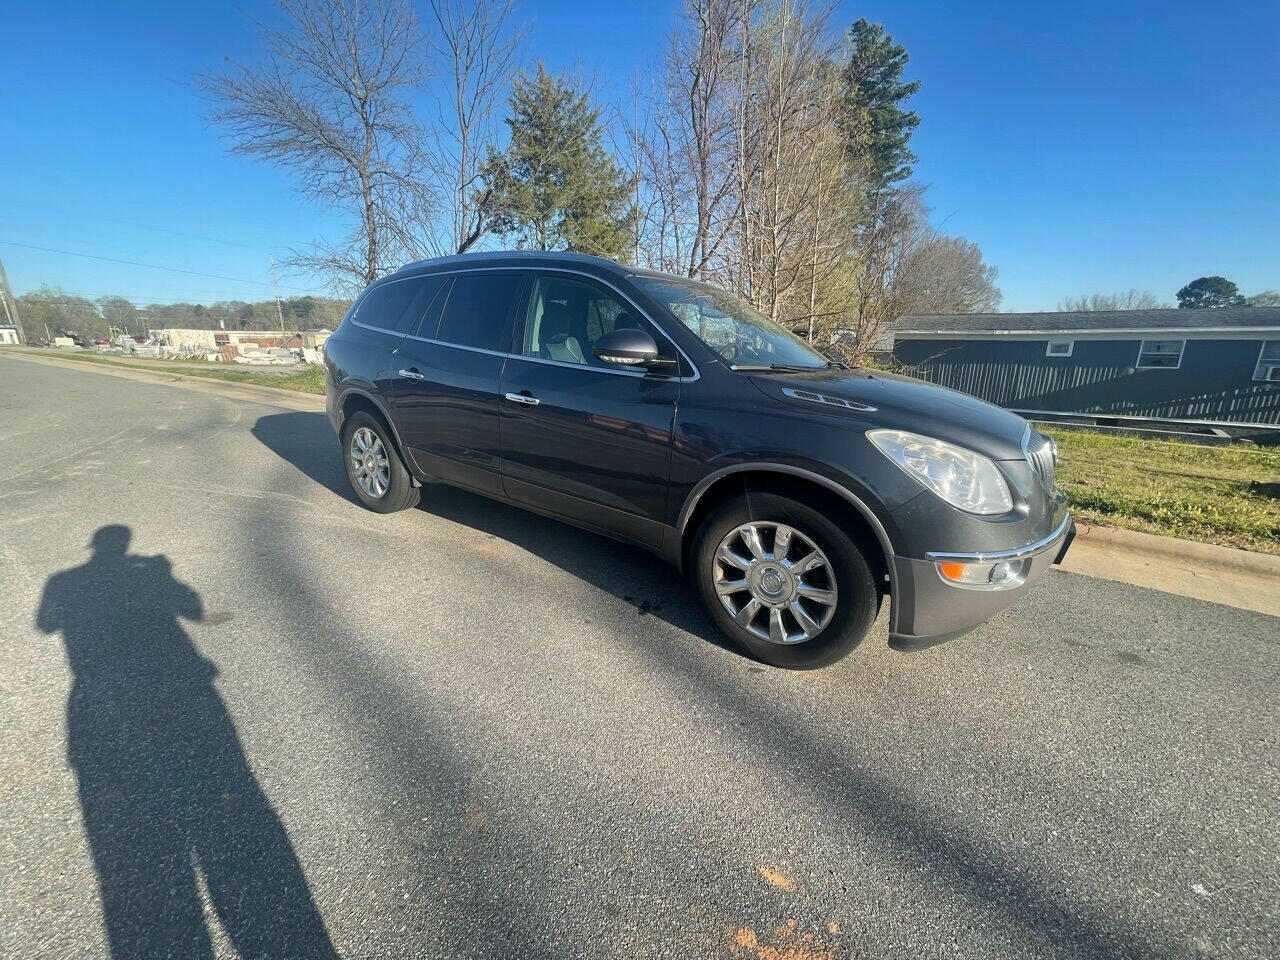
[(1042, 454)]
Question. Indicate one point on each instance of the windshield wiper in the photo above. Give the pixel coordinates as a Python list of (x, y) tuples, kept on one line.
[(772, 368)]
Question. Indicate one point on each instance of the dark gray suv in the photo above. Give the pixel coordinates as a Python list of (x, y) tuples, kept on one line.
[(797, 492)]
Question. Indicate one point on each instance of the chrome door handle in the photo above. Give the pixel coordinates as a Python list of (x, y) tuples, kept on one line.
[(523, 398), (412, 375)]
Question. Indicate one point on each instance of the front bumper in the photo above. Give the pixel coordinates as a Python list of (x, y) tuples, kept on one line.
[(929, 609)]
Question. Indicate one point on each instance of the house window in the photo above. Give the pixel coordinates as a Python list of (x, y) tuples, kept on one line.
[(1157, 354), (1268, 367), (1059, 348)]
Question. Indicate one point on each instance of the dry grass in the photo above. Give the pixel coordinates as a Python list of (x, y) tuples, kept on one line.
[(1224, 495)]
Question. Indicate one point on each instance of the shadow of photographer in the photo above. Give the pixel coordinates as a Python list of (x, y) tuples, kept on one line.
[(166, 791)]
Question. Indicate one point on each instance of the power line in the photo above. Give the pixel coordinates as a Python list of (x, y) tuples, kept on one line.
[(163, 302), (149, 266), (135, 225), (141, 300)]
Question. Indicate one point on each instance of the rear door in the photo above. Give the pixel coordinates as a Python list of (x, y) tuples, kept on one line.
[(581, 437), (387, 311), (447, 378)]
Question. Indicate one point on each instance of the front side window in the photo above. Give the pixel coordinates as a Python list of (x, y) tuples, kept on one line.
[(397, 305), (1155, 354), (566, 317), (730, 326), (475, 315), (1268, 367)]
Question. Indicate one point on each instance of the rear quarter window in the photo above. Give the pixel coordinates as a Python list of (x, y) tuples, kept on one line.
[(398, 305)]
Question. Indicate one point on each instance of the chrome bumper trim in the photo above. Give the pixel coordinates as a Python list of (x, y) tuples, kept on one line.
[(1030, 550)]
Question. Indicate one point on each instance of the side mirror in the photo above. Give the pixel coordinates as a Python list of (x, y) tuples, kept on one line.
[(630, 347)]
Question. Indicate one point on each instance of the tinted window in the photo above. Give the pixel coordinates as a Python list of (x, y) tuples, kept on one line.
[(399, 304), (566, 317), (475, 315)]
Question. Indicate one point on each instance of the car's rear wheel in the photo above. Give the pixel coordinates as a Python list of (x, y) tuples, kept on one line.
[(378, 477), (784, 582)]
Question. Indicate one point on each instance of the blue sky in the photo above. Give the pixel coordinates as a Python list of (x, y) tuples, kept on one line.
[(1093, 146)]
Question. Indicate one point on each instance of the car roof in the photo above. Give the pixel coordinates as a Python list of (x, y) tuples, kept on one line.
[(562, 258), (498, 258)]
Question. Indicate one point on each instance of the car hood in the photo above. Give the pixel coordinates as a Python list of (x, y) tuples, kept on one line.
[(902, 403)]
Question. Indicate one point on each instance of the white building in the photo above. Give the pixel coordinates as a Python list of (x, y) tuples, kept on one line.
[(8, 334), (190, 340)]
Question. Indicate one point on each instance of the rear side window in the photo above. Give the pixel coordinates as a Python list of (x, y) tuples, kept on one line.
[(399, 304), (476, 312)]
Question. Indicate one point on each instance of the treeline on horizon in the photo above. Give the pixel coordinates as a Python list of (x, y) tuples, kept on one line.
[(51, 312)]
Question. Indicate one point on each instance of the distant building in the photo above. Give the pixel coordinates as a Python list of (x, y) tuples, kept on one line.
[(191, 340), (1211, 365), (8, 334)]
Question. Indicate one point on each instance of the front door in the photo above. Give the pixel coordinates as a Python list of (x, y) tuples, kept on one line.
[(447, 379), (581, 437)]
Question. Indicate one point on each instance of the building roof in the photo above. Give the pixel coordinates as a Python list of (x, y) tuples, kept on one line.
[(1110, 321)]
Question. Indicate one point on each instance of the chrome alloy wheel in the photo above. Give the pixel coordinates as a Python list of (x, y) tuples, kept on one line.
[(775, 582), (369, 463)]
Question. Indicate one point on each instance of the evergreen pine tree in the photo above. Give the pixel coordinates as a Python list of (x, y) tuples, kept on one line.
[(878, 126), (556, 187)]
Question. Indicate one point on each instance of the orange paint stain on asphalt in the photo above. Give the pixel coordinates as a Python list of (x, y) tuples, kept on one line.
[(746, 937), (777, 878), (786, 944)]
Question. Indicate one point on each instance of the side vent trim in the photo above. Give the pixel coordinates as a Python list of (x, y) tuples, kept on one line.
[(827, 401)]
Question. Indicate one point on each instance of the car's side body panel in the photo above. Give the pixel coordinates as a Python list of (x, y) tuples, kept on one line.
[(594, 439), (449, 419)]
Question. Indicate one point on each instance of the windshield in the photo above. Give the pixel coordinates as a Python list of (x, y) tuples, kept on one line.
[(730, 326)]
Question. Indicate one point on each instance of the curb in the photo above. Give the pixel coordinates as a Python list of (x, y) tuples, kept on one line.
[(1172, 548)]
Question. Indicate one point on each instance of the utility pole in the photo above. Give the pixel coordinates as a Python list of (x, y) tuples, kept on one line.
[(276, 287), (10, 308)]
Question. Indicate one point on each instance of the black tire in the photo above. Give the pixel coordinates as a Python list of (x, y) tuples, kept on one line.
[(857, 598), (400, 492)]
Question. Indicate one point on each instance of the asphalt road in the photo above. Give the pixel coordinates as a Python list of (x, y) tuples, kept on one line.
[(255, 717)]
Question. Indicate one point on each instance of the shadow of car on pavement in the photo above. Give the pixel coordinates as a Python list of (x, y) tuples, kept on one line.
[(652, 587)]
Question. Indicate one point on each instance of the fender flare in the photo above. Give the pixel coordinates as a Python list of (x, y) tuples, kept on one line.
[(386, 415), (886, 546)]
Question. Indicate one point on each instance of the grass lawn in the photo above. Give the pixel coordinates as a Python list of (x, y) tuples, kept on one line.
[(307, 379), (1224, 495)]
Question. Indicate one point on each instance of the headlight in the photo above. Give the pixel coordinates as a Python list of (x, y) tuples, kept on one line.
[(962, 478)]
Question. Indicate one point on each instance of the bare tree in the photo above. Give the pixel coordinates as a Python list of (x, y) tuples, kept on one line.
[(1128, 300), (947, 275), (476, 47), (741, 161), (796, 230), (331, 103), (687, 156)]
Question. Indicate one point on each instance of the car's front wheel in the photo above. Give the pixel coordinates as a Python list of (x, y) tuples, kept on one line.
[(378, 477), (783, 581)]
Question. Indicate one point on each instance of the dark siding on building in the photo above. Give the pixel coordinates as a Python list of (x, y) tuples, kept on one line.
[(1215, 381)]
